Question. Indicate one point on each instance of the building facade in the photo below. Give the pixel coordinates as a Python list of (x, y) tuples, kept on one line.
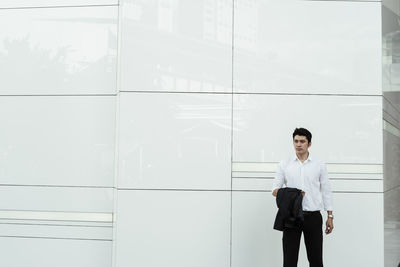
[(147, 132)]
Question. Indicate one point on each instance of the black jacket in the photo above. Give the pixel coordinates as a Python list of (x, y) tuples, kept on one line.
[(290, 214)]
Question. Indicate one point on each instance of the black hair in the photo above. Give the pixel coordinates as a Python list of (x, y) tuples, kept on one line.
[(302, 132)]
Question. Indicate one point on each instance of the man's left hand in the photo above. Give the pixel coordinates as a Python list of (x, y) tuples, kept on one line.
[(329, 226)]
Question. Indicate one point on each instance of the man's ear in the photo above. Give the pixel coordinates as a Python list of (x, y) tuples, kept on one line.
[(309, 144)]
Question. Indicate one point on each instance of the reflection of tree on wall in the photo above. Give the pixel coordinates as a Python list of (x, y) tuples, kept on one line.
[(24, 67), (38, 62)]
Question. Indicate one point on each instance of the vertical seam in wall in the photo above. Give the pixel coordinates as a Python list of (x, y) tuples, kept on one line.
[(231, 191), (116, 141)]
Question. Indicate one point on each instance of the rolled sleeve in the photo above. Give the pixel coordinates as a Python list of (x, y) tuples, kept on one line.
[(279, 177), (326, 190)]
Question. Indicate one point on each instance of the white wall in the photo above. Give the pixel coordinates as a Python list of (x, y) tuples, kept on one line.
[(58, 62), (188, 104), (147, 132)]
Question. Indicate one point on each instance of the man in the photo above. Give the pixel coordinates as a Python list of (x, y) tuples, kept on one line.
[(309, 174)]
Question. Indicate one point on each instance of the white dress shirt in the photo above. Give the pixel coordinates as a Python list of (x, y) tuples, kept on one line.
[(311, 176)]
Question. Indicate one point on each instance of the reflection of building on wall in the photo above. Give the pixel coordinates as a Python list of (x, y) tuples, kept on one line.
[(391, 60), (218, 21), (211, 20), (196, 31), (147, 132), (246, 31), (391, 133)]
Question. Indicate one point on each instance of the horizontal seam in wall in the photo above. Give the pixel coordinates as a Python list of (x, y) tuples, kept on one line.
[(333, 191), (354, 1), (234, 190), (170, 189), (41, 7), (58, 238), (177, 92), (335, 179), (361, 173), (51, 220), (344, 163), (60, 186), (72, 95), (57, 211), (245, 93), (375, 192), (181, 189), (50, 224)]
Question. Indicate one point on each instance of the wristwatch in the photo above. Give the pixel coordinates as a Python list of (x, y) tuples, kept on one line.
[(330, 216)]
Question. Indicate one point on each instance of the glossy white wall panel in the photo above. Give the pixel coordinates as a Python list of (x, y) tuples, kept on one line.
[(346, 129), (337, 176), (175, 140), (56, 222), (256, 244), (36, 252), (55, 231), (336, 185), (182, 228), (349, 240), (337, 170), (56, 199), (58, 216), (181, 46), (375, 186), (48, 3), (329, 47), (65, 140), (251, 184), (58, 50)]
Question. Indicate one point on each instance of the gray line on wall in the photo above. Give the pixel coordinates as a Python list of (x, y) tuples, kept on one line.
[(63, 6), (59, 238)]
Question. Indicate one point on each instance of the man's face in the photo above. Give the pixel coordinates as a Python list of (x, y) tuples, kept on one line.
[(301, 144)]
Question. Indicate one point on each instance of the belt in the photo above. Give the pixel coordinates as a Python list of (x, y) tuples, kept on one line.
[(306, 212)]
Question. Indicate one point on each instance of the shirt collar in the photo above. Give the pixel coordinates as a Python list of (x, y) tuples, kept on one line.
[(296, 158)]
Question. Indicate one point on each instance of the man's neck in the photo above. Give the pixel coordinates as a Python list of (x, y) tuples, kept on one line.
[(302, 157)]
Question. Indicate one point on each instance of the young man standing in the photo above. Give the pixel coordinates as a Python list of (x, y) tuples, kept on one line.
[(309, 174)]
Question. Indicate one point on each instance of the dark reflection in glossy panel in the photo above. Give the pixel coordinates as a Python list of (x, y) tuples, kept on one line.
[(391, 137)]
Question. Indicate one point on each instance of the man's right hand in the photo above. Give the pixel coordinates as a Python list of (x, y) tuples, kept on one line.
[(275, 192)]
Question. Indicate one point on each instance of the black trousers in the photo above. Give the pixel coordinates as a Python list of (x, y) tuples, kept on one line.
[(312, 229)]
